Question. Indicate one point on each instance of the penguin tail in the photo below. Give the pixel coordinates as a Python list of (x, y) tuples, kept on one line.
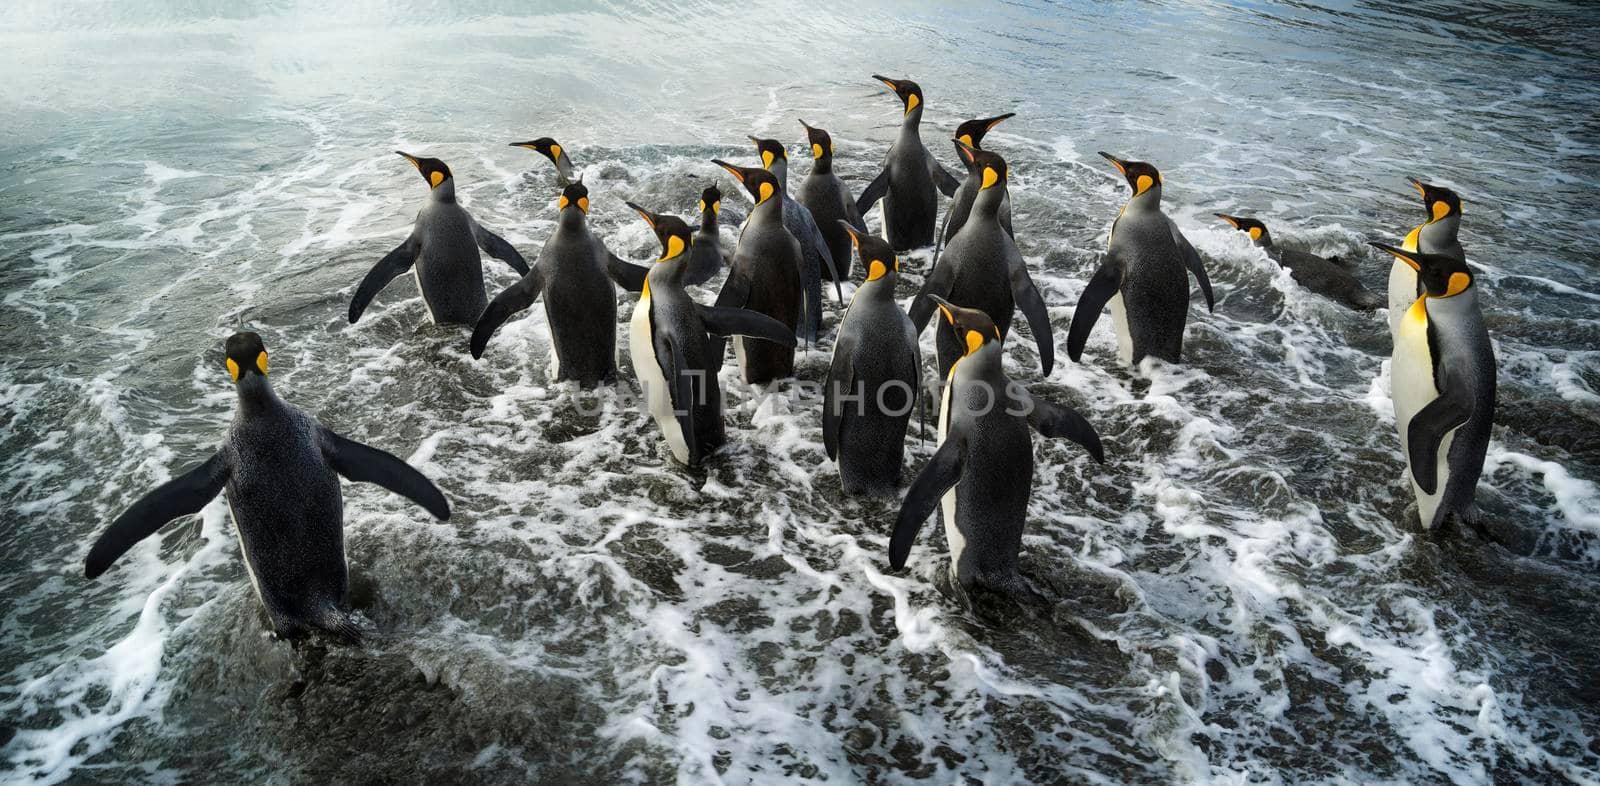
[(338, 625)]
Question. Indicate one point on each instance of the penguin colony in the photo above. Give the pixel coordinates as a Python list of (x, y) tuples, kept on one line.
[(279, 467)]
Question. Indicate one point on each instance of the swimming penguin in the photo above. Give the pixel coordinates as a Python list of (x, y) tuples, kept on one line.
[(971, 133), (1142, 276), (674, 355), (982, 473), (442, 252), (1438, 235), (574, 273), (764, 276), (1443, 380), (551, 149), (911, 179), (1331, 277), (983, 268), (829, 200), (818, 260), (706, 258), (872, 382), (281, 470)]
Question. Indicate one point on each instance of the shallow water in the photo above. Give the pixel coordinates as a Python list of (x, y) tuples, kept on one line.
[(1237, 595)]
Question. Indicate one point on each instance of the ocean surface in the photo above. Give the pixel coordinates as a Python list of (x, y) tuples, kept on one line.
[(1239, 595)]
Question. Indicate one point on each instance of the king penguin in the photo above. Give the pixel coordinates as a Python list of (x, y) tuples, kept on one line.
[(281, 470), (670, 338), (442, 252), (982, 473), (983, 268), (829, 200), (871, 386), (1142, 276), (911, 179), (1437, 235), (1331, 277), (551, 149), (706, 257), (573, 273), (814, 253), (764, 276), (971, 134), (1443, 381)]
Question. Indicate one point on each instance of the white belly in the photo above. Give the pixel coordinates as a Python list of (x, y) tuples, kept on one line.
[(417, 277), (952, 534), (1411, 385), (1119, 323), (1402, 293), (244, 551), (738, 355), (657, 396)]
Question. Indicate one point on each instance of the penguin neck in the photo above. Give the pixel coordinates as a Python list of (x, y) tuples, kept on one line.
[(1265, 241), (823, 165), (770, 210), (1148, 202), (1440, 234), (911, 124), (444, 192), (256, 395), (780, 170), (563, 168), (572, 219), (987, 202), (880, 289), (708, 222), (666, 274), (982, 363)]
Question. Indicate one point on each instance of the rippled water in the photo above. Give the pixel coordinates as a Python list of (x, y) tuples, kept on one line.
[(1237, 595)]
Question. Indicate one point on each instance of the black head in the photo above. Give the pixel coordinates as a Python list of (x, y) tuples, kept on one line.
[(770, 150), (1250, 226), (910, 92), (972, 131), (246, 355), (1141, 176), (1441, 276), (670, 230), (877, 256), (972, 327), (761, 184), (711, 199), (821, 142), (1441, 202), (433, 170), (574, 194), (545, 146), (991, 165)]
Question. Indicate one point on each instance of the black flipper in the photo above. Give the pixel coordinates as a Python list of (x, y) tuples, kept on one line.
[(938, 283), (1191, 258), (1032, 306), (393, 264), (1427, 430), (1101, 287), (680, 389), (515, 298), (366, 464), (735, 291), (1054, 420), (182, 496), (873, 192), (946, 182), (821, 244), (940, 475), (841, 376), (627, 275), (497, 247), (724, 321)]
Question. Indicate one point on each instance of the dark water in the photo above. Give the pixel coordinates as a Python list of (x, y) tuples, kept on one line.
[(1238, 595)]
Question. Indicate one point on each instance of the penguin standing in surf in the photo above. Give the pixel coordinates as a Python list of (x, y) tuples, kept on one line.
[(911, 179), (281, 470), (551, 149), (706, 258), (574, 273), (442, 252), (983, 269), (971, 134), (1443, 382), (764, 276), (981, 476), (673, 351), (816, 259), (1333, 277), (1440, 234), (829, 200), (871, 386), (1142, 277)]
